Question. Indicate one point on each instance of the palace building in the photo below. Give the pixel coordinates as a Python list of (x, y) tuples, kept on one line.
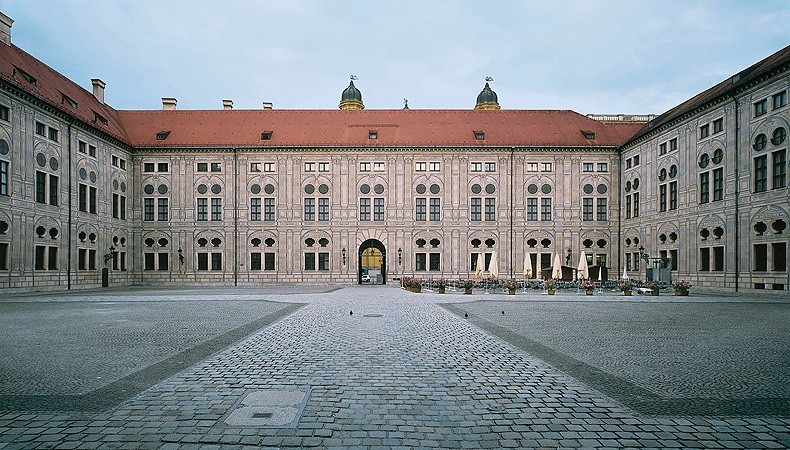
[(90, 194)]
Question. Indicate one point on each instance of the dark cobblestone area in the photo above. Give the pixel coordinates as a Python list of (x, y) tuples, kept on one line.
[(417, 376)]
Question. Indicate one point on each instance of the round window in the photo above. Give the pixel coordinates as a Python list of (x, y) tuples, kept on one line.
[(602, 189), (365, 189), (718, 155), (779, 136), (53, 163), (92, 176), (4, 147), (588, 188), (202, 189), (309, 189), (216, 189), (759, 142), (255, 189), (123, 186), (435, 189), (41, 159), (636, 183), (323, 189), (662, 175), (532, 188), (148, 189), (83, 173), (628, 186), (269, 189), (673, 171), (476, 189), (162, 189), (115, 184), (420, 188), (546, 189), (490, 189), (703, 160), (379, 189)]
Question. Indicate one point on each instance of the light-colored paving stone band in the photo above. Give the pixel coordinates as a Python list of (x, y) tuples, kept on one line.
[(419, 376)]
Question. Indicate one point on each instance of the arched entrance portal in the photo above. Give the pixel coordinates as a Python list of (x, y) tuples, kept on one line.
[(373, 261)]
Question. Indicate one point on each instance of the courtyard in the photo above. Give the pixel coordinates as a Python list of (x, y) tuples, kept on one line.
[(378, 367)]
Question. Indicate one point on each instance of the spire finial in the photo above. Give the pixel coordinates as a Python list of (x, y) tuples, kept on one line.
[(489, 79), (353, 77), (405, 103)]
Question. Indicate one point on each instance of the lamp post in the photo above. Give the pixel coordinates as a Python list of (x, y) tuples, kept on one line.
[(645, 257), (400, 263), (109, 256), (344, 255)]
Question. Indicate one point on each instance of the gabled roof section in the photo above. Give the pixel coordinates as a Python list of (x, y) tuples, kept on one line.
[(54, 89), (740, 80), (351, 128)]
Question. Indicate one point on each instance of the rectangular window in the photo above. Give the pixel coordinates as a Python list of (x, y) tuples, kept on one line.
[(490, 167), (673, 260), (53, 134), (477, 209), (268, 209), (780, 99), (216, 167), (378, 209), (123, 164), (588, 167), (163, 262), (704, 187), (202, 209), (436, 204), (202, 261), (420, 204), (53, 190), (202, 167), (41, 129), (420, 166), (545, 167), (92, 150), (268, 261), (309, 209), (92, 200), (601, 209), (636, 160), (476, 167), (718, 259), (780, 256), (378, 167), (123, 261), (162, 167), (149, 261), (718, 184), (364, 167), (704, 131), (41, 187), (115, 206), (4, 178), (627, 206), (545, 209), (268, 167), (323, 261), (673, 144), (216, 209), (420, 262), (627, 261), (122, 207), (760, 107), (82, 259), (628, 163), (41, 254), (323, 167), (490, 209), (309, 261), (435, 262), (255, 261), (600, 260), (255, 212), (718, 125), (255, 167), (148, 209), (434, 166), (82, 197), (673, 195), (636, 261), (780, 169), (662, 197), (636, 204), (163, 210), (52, 260), (704, 260), (760, 173), (5, 113), (760, 257), (532, 209), (364, 209), (216, 261), (114, 260), (532, 167), (323, 209), (662, 149), (587, 209), (148, 167), (603, 167), (309, 167)]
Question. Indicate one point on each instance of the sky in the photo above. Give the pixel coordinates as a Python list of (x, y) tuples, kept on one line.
[(603, 57)]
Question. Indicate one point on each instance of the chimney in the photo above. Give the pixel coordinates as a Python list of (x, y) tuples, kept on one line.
[(267, 105), (98, 89), (169, 103), (227, 104), (5, 29)]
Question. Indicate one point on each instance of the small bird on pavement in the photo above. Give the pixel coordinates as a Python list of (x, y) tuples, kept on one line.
[(503, 313), (466, 315), (351, 313)]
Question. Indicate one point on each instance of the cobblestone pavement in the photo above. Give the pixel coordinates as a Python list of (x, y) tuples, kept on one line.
[(417, 376)]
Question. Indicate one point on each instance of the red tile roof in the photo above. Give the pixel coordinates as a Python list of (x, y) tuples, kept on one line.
[(296, 128), (51, 86)]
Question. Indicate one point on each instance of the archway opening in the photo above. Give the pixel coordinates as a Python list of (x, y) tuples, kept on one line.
[(372, 262)]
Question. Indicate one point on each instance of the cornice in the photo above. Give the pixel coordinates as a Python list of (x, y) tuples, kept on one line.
[(354, 149)]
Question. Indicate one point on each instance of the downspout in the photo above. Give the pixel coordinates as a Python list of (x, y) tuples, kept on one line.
[(620, 209), (235, 217), (512, 203), (68, 232), (737, 193)]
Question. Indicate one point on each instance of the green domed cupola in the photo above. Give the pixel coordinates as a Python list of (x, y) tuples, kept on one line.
[(487, 98), (351, 98)]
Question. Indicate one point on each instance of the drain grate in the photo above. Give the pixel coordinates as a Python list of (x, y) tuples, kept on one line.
[(372, 315), (268, 408)]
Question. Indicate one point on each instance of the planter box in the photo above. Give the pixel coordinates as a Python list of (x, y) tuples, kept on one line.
[(441, 290), (685, 294), (550, 291), (511, 292), (654, 293), (589, 292), (626, 292), (467, 291)]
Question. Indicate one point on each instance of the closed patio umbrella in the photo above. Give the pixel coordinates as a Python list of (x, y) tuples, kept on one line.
[(493, 268), (480, 264), (584, 271), (528, 266), (625, 274), (556, 271)]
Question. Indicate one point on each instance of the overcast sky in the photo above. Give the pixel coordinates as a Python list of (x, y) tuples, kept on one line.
[(632, 57)]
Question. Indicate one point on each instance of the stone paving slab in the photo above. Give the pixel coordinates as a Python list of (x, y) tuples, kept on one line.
[(418, 376)]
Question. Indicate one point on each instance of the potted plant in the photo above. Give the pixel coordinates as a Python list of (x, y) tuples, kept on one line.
[(468, 285), (511, 287), (550, 285), (681, 287), (441, 283), (626, 286), (587, 286), (654, 286)]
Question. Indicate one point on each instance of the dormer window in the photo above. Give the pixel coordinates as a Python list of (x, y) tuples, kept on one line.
[(65, 99), (373, 134), (162, 135), (588, 135), (30, 79), (266, 135), (479, 135), (98, 118)]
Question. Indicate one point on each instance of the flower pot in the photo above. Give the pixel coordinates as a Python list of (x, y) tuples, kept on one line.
[(654, 293), (682, 293), (418, 289), (550, 291), (589, 292), (626, 292), (441, 290), (467, 291), (511, 292)]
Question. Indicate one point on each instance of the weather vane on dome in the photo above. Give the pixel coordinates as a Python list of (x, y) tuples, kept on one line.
[(405, 103), (489, 79), (353, 77)]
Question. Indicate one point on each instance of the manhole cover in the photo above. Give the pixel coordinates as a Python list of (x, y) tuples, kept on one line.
[(268, 408), (372, 315)]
